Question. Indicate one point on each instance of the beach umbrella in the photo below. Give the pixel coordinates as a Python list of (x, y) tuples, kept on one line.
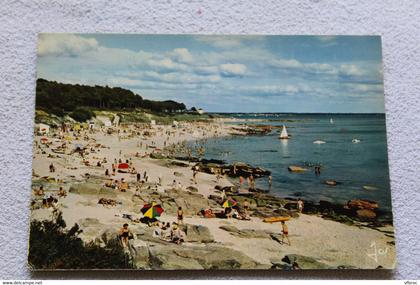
[(123, 166), (229, 203), (152, 210)]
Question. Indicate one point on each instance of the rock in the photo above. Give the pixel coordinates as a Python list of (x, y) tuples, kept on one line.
[(157, 155), (216, 257), (85, 188), (110, 237), (246, 233), (361, 204), (192, 189), (140, 254), (305, 262), (179, 163), (198, 233), (164, 258), (365, 215), (234, 170), (198, 257), (190, 202), (294, 168), (178, 174)]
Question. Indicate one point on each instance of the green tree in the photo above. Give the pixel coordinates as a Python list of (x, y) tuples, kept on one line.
[(51, 246)]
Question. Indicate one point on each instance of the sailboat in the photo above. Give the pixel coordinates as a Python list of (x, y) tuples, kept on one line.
[(283, 134), (331, 121)]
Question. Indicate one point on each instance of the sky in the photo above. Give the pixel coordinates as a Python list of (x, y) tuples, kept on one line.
[(302, 74)]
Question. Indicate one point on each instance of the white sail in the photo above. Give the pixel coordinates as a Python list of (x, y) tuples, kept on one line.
[(283, 134), (331, 121)]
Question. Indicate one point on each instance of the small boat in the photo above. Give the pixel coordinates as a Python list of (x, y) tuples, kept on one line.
[(331, 182), (355, 140), (276, 219), (319, 142), (331, 121), (283, 134), (369, 188)]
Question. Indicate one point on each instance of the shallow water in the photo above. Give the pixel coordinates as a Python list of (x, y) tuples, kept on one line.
[(353, 165)]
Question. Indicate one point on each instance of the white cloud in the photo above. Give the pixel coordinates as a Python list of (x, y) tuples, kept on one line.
[(165, 65), (232, 69), (64, 44), (181, 55)]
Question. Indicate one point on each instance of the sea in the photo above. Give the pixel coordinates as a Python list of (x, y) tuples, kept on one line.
[(352, 165)]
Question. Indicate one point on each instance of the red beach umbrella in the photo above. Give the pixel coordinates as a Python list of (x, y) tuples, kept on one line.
[(123, 166)]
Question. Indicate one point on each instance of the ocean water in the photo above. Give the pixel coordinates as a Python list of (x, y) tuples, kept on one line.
[(352, 165)]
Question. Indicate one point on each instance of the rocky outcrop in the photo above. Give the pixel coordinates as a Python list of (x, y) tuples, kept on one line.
[(164, 258), (294, 168), (91, 189), (304, 262), (233, 170), (366, 215), (198, 233), (246, 233), (361, 204), (203, 257)]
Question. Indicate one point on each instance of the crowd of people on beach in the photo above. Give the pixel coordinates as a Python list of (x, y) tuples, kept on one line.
[(88, 151)]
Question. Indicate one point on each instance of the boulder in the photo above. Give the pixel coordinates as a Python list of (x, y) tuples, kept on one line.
[(164, 258), (85, 188), (304, 262), (294, 168), (365, 214), (190, 202), (179, 163), (246, 233), (198, 233), (157, 155), (140, 254), (217, 257), (192, 188), (361, 204)]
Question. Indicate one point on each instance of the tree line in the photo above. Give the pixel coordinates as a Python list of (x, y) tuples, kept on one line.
[(60, 98)]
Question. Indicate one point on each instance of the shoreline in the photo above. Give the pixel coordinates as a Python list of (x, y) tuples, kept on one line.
[(80, 207)]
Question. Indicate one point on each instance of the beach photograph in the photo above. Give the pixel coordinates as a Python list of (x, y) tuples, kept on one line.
[(199, 152)]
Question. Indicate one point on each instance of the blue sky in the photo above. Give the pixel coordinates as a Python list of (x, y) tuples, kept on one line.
[(225, 73)]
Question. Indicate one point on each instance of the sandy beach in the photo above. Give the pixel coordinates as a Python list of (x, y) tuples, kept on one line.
[(315, 242)]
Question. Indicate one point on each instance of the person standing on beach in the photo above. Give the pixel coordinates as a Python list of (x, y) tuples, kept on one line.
[(270, 181), (300, 205), (138, 176), (52, 168), (180, 216), (285, 233)]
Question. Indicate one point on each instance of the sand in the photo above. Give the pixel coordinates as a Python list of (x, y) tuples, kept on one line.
[(329, 242)]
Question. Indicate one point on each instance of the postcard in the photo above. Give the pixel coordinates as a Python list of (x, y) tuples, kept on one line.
[(170, 152)]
